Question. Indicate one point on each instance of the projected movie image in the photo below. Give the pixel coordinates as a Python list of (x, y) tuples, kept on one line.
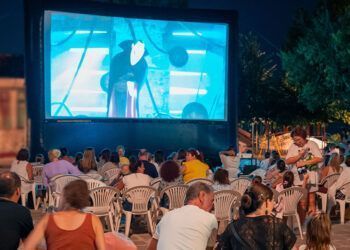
[(116, 67)]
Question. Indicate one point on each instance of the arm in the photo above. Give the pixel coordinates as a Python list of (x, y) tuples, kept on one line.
[(37, 234), (294, 159), (29, 169), (99, 239), (152, 245), (313, 161)]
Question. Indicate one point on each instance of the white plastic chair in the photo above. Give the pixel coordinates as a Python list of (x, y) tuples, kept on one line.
[(176, 195), (95, 176), (24, 194), (346, 190), (110, 174), (155, 182), (58, 184), (94, 183), (204, 180), (102, 203), (241, 184), (275, 195), (139, 197), (291, 197), (224, 202), (327, 182)]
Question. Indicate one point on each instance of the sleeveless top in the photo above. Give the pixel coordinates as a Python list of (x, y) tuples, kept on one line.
[(20, 168), (81, 238)]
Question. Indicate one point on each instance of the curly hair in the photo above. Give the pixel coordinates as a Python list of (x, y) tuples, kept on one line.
[(169, 171)]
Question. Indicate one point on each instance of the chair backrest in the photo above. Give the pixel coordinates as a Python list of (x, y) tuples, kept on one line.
[(176, 195), (275, 194), (84, 176), (240, 185), (103, 196), (63, 180), (204, 180), (95, 176), (346, 189), (155, 182), (111, 172), (102, 170), (38, 170), (291, 197), (139, 197), (223, 203), (329, 180), (94, 183)]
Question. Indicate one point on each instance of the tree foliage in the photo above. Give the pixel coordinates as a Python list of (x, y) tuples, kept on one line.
[(316, 59)]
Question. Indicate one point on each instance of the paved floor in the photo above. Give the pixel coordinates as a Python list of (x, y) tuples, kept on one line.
[(341, 233)]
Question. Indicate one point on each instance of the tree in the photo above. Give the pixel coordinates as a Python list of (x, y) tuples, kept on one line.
[(317, 57)]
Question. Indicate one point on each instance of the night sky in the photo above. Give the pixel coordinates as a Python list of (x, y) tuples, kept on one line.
[(269, 19)]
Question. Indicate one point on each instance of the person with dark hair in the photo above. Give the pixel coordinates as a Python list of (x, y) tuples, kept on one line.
[(170, 174), (78, 157), (150, 169), (70, 228), (221, 180), (332, 167), (190, 226), (230, 161), (306, 158), (256, 180), (103, 157), (287, 182), (136, 178), (194, 168), (275, 174), (65, 155), (113, 162), (275, 156), (257, 228), (195, 111), (265, 164), (172, 157), (318, 233), (15, 220), (181, 156), (23, 168), (158, 159)]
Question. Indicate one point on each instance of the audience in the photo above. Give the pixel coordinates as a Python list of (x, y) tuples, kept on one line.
[(15, 220), (70, 228), (103, 158), (65, 155), (257, 228), (150, 169), (221, 180), (287, 182), (265, 164), (88, 163), (23, 168), (170, 174), (230, 161), (192, 167), (332, 167), (78, 157), (181, 156), (190, 226), (121, 154), (274, 175), (57, 166), (158, 159), (256, 180), (318, 233), (113, 162)]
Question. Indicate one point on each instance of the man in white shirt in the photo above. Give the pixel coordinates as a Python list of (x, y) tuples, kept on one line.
[(190, 226), (230, 161)]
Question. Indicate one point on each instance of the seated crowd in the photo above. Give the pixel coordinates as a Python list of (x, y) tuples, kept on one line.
[(259, 222)]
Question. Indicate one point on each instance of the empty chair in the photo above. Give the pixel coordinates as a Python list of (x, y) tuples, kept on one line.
[(240, 185), (291, 197), (175, 196), (204, 180), (103, 203), (224, 202), (139, 197), (327, 182), (94, 183), (346, 190)]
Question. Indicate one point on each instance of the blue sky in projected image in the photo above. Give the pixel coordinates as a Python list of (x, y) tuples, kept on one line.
[(201, 79)]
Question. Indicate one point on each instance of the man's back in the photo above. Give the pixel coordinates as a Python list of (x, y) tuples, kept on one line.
[(15, 224), (188, 227)]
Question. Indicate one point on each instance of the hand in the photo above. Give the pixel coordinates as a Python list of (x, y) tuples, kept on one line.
[(303, 152), (300, 164)]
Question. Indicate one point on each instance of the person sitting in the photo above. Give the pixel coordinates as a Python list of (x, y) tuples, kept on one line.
[(57, 167), (332, 167), (190, 226), (318, 233), (265, 164), (78, 157), (16, 220), (181, 156), (287, 182), (70, 228), (124, 171), (257, 228), (88, 163), (112, 163), (150, 169), (158, 159), (23, 168), (275, 174), (194, 168), (121, 154), (103, 158), (65, 155), (230, 161), (256, 180), (172, 157), (221, 180), (170, 174)]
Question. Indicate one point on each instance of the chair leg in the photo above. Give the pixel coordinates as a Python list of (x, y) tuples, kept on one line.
[(117, 222), (128, 216), (342, 211), (34, 197), (111, 224), (23, 199), (324, 202), (299, 225), (150, 222)]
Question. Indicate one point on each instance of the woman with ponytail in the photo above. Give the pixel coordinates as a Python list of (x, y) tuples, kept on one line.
[(257, 228)]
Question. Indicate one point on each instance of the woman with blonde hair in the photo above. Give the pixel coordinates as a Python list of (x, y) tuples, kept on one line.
[(332, 167), (88, 162), (318, 234), (70, 228)]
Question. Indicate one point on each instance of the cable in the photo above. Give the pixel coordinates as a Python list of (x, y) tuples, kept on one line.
[(63, 41)]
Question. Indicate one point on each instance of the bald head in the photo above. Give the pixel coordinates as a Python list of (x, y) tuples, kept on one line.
[(9, 183)]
